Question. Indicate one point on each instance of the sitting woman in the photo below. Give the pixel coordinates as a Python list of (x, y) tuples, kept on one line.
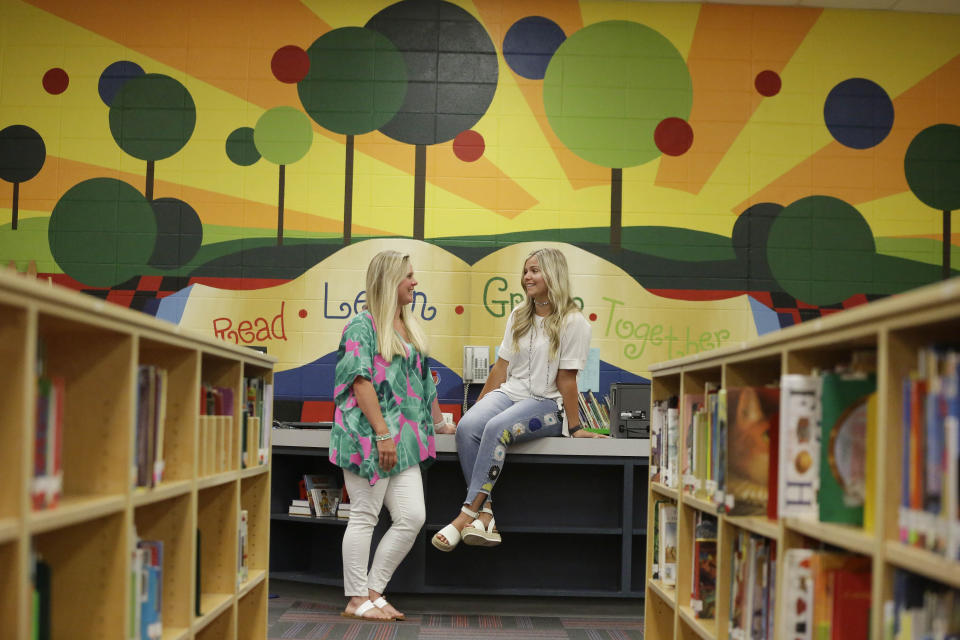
[(545, 344)]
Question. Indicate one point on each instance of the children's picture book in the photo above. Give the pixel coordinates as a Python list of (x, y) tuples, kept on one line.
[(692, 405), (703, 599), (668, 544), (797, 619), (843, 446), (752, 414), (799, 458), (323, 493)]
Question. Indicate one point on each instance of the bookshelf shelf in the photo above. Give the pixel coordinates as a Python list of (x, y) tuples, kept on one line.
[(87, 540), (884, 337), (706, 629), (72, 511), (925, 563)]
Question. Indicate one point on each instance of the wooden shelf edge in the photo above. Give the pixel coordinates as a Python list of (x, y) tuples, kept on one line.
[(922, 562), (251, 472), (217, 479), (664, 490), (214, 604), (73, 511), (161, 492), (667, 594), (847, 537), (9, 529), (175, 633), (706, 629), (760, 525), (256, 577), (700, 504)]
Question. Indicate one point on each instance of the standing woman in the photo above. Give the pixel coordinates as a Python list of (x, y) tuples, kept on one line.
[(545, 344), (382, 431)]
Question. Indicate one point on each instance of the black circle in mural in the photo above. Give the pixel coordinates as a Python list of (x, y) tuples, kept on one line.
[(22, 153), (115, 76), (530, 43), (102, 232), (152, 117), (932, 166), (821, 250), (179, 233), (452, 69), (858, 113), (241, 148)]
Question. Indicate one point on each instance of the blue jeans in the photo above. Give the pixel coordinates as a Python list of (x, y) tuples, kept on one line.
[(489, 427)]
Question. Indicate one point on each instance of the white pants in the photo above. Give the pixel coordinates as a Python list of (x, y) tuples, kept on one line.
[(403, 496)]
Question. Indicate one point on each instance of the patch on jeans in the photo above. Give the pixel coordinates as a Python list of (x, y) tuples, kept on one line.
[(487, 486), (499, 453), (518, 429), (535, 424), (550, 419), (494, 472), (506, 438)]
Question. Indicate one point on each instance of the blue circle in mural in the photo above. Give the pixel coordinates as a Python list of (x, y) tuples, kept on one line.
[(858, 113), (115, 76), (529, 45), (535, 424)]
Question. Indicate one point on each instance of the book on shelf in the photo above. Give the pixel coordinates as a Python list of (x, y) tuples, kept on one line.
[(799, 446), (703, 595), (752, 422), (843, 446), (921, 608), (47, 482), (243, 569), (825, 566), (720, 451), (752, 587), (797, 619), (668, 543), (149, 565), (323, 493), (658, 419), (692, 407), (197, 578), (299, 508), (655, 563), (151, 418), (672, 445), (41, 576)]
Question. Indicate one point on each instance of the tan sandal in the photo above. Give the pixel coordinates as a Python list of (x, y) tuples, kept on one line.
[(451, 533), (365, 607), (475, 534)]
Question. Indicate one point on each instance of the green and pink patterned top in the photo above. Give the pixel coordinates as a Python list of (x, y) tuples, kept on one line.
[(406, 391)]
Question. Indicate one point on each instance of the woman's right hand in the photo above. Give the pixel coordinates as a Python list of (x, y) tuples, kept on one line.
[(388, 454)]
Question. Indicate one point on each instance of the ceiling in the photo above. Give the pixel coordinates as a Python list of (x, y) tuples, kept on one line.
[(918, 6)]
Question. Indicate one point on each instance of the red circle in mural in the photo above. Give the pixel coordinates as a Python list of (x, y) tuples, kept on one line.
[(468, 145), (767, 83), (55, 81), (290, 64), (303, 313), (593, 317), (673, 136), (459, 309)]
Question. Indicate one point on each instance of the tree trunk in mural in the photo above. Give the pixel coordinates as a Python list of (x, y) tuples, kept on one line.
[(280, 206), (947, 244), (419, 190), (616, 207), (148, 187), (13, 208), (348, 192)]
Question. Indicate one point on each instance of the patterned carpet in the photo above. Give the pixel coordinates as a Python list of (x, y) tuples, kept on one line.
[(319, 621)]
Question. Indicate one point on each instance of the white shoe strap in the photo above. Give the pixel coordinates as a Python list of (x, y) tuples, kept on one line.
[(380, 602), (363, 608), (467, 510)]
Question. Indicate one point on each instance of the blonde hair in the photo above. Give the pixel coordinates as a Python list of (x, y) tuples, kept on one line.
[(386, 271), (553, 266)]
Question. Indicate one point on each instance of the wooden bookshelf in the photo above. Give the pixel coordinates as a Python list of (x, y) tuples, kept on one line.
[(894, 328), (87, 539)]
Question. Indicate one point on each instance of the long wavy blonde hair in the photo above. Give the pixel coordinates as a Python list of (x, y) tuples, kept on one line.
[(387, 269), (556, 275)]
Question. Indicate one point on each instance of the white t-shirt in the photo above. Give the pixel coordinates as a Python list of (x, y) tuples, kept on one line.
[(531, 373)]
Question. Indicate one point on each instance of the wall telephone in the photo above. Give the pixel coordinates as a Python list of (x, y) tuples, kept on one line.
[(476, 364)]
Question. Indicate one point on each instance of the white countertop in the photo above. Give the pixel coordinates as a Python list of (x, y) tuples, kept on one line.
[(446, 443)]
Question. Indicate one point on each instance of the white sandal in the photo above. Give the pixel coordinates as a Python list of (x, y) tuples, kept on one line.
[(475, 534), (451, 533), (381, 602), (365, 606)]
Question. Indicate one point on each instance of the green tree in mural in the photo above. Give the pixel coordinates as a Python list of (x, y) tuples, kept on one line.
[(452, 68), (152, 117), (282, 135), (102, 232), (22, 154), (821, 250), (356, 83), (932, 168), (613, 92)]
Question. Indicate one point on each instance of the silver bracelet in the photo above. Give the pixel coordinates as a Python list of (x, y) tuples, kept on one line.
[(379, 438)]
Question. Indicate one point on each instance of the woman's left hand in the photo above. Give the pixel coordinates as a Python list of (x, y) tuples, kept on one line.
[(583, 433)]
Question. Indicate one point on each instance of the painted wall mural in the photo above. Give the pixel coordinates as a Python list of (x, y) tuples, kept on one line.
[(713, 172)]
